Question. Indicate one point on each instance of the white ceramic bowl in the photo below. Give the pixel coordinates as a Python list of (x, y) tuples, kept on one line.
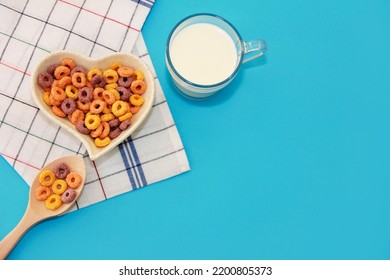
[(126, 59)]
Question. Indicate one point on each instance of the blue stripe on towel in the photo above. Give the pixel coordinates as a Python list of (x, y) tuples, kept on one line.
[(132, 164), (146, 3)]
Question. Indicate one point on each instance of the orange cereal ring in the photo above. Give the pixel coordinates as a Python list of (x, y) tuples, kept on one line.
[(107, 117), (96, 133), (119, 108), (109, 97), (136, 100), (59, 186), (115, 66), (98, 93), (106, 130), (57, 111), (92, 122), (134, 109), (97, 106), (83, 106), (53, 202), (42, 193), (111, 76), (47, 178), (76, 116), (54, 84), (139, 75), (93, 72), (64, 82), (79, 80), (58, 93), (73, 180), (116, 93), (61, 71), (72, 92), (107, 109), (53, 101), (46, 97), (125, 71), (102, 142), (126, 116), (138, 87), (68, 62)]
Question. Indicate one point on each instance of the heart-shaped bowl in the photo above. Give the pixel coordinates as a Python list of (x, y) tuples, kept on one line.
[(88, 63)]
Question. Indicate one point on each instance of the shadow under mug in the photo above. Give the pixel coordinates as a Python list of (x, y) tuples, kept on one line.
[(245, 51)]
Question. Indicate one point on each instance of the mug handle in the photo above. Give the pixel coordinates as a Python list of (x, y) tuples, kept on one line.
[(253, 49)]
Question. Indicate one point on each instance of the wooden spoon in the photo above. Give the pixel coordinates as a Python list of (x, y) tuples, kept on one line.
[(36, 210)]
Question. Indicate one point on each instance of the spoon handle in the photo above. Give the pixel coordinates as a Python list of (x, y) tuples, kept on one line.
[(10, 240)]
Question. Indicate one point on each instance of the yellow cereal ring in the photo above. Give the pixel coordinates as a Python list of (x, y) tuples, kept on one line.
[(119, 108), (125, 117), (53, 202), (107, 109), (139, 75), (125, 71), (46, 98), (111, 76), (59, 186), (58, 93), (71, 92), (107, 117), (68, 62), (111, 86), (93, 72), (47, 178), (102, 142), (57, 111), (79, 80), (136, 100), (73, 180), (42, 193), (92, 122), (115, 66), (138, 87)]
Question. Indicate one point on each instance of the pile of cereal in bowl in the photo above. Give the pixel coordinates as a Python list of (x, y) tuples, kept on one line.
[(57, 186), (98, 102)]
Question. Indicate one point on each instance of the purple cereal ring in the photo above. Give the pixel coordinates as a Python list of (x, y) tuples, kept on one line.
[(85, 95), (98, 81), (124, 93), (68, 196), (68, 106), (80, 126), (45, 79), (125, 81), (125, 124), (78, 69), (61, 170), (114, 123), (51, 68), (114, 133)]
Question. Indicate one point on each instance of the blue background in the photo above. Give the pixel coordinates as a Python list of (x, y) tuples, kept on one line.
[(290, 161)]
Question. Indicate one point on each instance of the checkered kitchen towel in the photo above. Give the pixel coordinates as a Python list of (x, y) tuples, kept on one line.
[(29, 30)]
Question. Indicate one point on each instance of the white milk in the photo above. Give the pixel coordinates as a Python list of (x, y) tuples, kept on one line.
[(203, 54)]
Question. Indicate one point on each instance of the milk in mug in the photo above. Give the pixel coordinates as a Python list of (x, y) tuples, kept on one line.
[(204, 54)]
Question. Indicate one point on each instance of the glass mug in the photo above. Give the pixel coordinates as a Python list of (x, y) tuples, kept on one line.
[(204, 53)]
